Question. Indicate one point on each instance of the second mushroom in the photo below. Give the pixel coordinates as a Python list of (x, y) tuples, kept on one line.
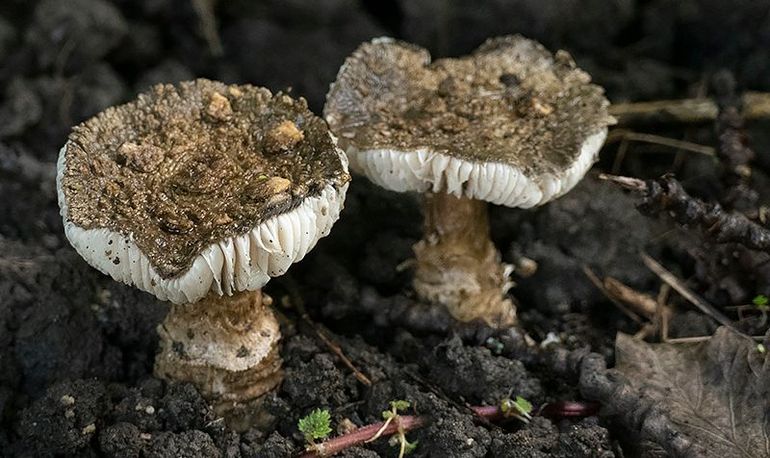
[(510, 124)]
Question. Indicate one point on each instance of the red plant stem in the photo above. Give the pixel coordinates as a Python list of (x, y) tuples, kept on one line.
[(363, 434), (570, 409), (561, 409), (488, 412)]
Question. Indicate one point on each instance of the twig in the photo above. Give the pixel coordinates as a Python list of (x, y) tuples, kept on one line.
[(646, 330), (667, 196), (629, 135), (654, 309), (338, 351), (620, 156), (679, 286), (600, 286), (756, 105), (333, 346), (696, 339), (630, 183), (642, 303)]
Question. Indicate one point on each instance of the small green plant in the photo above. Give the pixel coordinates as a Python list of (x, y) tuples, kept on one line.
[(395, 406), (761, 348), (518, 408), (315, 425), (495, 345), (399, 439), (762, 303)]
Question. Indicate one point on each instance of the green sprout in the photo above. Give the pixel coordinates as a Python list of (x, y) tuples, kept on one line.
[(405, 447), (395, 406), (399, 439), (519, 408), (761, 348), (762, 303), (495, 345), (315, 425)]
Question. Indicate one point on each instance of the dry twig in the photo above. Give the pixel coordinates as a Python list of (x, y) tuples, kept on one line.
[(629, 135), (679, 286), (642, 303), (667, 196), (756, 105), (337, 350), (297, 301), (600, 286), (656, 311)]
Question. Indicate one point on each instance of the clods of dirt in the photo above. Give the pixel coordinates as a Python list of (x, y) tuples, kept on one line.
[(77, 348)]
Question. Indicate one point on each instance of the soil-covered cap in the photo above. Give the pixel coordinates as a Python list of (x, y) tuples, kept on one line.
[(200, 187), (511, 123)]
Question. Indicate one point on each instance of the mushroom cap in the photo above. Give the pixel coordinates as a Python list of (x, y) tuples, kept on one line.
[(200, 187), (510, 124)]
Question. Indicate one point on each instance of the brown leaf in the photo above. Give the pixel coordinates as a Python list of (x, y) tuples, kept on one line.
[(715, 391)]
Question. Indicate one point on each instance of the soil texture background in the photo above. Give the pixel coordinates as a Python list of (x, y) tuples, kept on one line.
[(77, 349)]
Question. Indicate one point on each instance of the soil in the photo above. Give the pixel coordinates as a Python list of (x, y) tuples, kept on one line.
[(77, 349)]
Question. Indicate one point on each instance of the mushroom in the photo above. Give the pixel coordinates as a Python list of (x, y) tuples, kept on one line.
[(184, 194), (510, 124)]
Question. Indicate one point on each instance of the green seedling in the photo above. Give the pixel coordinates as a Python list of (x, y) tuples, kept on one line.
[(762, 303), (518, 408), (398, 439), (495, 345), (761, 348), (315, 425)]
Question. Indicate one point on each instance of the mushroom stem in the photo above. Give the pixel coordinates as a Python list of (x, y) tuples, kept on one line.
[(458, 266), (226, 346)]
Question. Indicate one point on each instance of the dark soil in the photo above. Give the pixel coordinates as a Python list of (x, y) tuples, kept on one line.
[(76, 348)]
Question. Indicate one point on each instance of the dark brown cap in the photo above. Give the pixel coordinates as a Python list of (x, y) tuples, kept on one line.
[(200, 187), (511, 123)]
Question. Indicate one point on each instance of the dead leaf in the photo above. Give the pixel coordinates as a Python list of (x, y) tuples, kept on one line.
[(715, 391)]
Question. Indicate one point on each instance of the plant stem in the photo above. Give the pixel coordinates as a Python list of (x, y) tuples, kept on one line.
[(363, 434), (406, 423), (488, 412), (403, 422)]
